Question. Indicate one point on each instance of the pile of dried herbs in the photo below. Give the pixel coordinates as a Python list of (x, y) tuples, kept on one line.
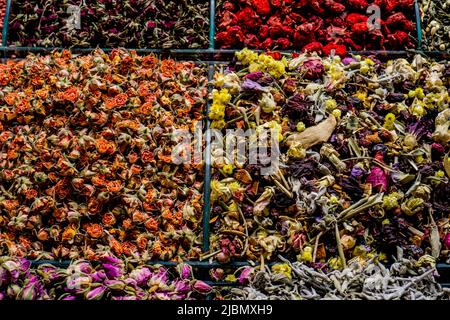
[(86, 156), (435, 15), (404, 280), (363, 166), (110, 23)]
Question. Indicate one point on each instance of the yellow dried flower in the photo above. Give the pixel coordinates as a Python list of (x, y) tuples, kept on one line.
[(330, 105), (230, 278), (228, 169), (283, 268), (218, 124), (418, 110), (337, 113), (391, 201), (217, 111), (306, 255), (389, 121), (247, 56), (440, 174), (296, 150), (223, 96), (335, 263), (301, 127)]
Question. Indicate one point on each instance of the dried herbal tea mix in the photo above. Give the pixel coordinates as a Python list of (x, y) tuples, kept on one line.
[(404, 280), (316, 26), (435, 15), (363, 159), (86, 157), (110, 23)]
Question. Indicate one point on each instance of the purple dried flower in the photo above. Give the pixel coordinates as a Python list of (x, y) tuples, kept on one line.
[(159, 279), (378, 179), (141, 275), (250, 85), (447, 241), (202, 287), (110, 260), (125, 298), (131, 282), (346, 61), (98, 276), (255, 76), (112, 271), (29, 292), (184, 270), (114, 284), (13, 291), (96, 294), (244, 277), (357, 171), (182, 286), (161, 296)]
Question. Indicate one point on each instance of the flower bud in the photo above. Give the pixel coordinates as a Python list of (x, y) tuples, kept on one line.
[(447, 240), (184, 270), (13, 291), (96, 294), (348, 242), (29, 292), (182, 286), (112, 271), (114, 284), (202, 287), (244, 277)]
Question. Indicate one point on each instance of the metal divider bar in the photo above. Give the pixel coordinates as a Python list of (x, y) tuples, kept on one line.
[(6, 25), (207, 156), (212, 24), (418, 24)]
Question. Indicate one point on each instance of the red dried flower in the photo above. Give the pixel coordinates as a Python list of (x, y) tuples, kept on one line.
[(334, 6), (275, 55), (358, 4), (247, 18), (338, 49), (354, 18), (313, 47), (262, 7)]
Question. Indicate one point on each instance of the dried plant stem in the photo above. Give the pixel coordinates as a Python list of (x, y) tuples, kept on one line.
[(316, 245), (246, 231), (339, 246), (210, 255)]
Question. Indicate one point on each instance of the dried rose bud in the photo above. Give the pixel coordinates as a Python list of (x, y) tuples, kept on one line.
[(201, 287)]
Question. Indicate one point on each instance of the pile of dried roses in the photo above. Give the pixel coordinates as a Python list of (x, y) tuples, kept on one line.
[(86, 156), (363, 166), (313, 25), (110, 279), (110, 23)]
